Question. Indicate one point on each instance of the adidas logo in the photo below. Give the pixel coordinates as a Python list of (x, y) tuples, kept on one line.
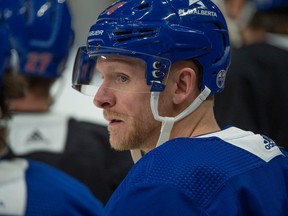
[(269, 143), (36, 137)]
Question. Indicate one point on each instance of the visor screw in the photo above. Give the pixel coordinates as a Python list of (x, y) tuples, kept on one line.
[(157, 65), (157, 74)]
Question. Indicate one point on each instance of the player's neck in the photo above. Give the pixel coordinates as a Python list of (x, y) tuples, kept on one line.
[(201, 121), (30, 103)]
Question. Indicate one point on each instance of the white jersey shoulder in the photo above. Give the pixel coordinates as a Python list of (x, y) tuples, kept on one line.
[(259, 145), (13, 190), (38, 132)]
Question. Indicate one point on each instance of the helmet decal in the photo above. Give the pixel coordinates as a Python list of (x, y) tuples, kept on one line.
[(115, 7), (199, 8), (37, 62), (220, 80)]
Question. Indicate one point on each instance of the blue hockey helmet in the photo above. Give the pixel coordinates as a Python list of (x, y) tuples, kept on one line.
[(161, 32), (41, 33)]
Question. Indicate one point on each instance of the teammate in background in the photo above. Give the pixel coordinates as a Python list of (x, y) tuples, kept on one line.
[(27, 187), (157, 66), (255, 95), (42, 35)]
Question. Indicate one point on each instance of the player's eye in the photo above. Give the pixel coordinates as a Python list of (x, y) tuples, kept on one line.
[(122, 78)]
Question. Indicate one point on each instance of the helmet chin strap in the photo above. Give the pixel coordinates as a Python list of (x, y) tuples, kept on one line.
[(168, 122)]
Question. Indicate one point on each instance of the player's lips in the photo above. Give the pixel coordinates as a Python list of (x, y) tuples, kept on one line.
[(113, 121), (113, 118)]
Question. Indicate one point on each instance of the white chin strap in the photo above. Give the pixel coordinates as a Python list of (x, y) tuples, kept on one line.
[(168, 122)]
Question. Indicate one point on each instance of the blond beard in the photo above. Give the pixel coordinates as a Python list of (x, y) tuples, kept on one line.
[(139, 134)]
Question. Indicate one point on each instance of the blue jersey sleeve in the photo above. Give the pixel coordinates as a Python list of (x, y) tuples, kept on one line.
[(143, 200), (52, 192)]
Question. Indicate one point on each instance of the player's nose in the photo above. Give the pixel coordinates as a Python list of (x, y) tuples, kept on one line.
[(104, 98)]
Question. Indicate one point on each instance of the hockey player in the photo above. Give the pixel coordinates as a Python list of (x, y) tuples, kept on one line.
[(42, 35), (157, 65), (31, 188)]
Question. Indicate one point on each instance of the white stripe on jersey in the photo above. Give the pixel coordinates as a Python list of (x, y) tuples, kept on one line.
[(13, 189), (247, 140)]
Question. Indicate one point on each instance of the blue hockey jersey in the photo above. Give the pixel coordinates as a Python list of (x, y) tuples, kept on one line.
[(32, 189), (230, 172)]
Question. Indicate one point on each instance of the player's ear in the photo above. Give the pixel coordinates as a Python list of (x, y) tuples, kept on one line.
[(185, 84)]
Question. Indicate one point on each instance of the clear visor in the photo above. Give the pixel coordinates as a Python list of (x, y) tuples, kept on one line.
[(116, 69)]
